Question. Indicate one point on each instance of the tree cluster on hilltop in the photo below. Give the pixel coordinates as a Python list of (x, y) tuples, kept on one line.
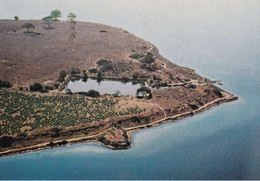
[(52, 17)]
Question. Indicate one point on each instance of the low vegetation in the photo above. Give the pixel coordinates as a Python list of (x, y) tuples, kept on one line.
[(74, 70), (105, 65), (28, 26), (103, 62), (36, 87), (145, 59), (136, 56), (148, 58), (62, 75), (44, 91), (20, 113), (138, 75), (84, 76), (90, 93), (92, 71), (5, 84)]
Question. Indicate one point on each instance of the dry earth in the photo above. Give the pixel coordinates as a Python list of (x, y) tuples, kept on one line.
[(26, 59)]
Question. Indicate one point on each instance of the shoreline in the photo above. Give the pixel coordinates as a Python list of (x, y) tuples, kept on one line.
[(128, 131), (191, 93)]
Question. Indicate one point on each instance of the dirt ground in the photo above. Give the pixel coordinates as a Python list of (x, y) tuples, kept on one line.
[(41, 55)]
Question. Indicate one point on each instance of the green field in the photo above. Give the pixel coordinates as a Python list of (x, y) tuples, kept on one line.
[(21, 112)]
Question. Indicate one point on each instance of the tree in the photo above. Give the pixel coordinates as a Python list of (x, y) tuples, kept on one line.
[(144, 92), (92, 71), (218, 92), (148, 58), (6, 141), (53, 17), (117, 93), (48, 20), (75, 70), (62, 75), (28, 26), (55, 14), (93, 93), (85, 76), (103, 62), (125, 79), (90, 93), (36, 87), (16, 18), (136, 75), (5, 84), (99, 77), (71, 17), (107, 67), (68, 91)]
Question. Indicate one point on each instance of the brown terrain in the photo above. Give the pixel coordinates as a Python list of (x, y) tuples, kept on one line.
[(26, 58)]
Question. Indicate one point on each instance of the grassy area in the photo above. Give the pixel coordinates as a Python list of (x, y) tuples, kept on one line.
[(103, 31), (136, 56), (20, 112)]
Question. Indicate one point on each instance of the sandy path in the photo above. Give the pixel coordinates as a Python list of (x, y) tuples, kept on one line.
[(151, 47)]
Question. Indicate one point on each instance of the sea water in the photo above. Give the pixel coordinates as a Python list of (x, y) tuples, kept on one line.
[(217, 38)]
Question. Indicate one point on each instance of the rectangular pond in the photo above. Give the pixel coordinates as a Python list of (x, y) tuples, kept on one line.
[(103, 87)]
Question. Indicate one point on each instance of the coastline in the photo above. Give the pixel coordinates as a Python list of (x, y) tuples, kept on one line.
[(219, 41), (187, 92), (96, 138)]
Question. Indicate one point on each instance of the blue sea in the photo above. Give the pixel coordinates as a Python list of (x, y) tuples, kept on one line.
[(220, 39)]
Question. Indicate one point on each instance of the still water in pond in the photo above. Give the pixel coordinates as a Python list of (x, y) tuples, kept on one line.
[(103, 87), (220, 40)]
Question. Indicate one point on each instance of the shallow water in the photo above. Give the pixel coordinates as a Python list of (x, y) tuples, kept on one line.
[(103, 87), (220, 40)]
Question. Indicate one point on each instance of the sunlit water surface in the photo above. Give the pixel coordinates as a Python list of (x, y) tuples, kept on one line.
[(217, 38)]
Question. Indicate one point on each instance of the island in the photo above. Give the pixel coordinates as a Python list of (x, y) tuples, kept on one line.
[(38, 58)]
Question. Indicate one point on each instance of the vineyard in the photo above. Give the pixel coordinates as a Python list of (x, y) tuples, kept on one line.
[(20, 112)]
